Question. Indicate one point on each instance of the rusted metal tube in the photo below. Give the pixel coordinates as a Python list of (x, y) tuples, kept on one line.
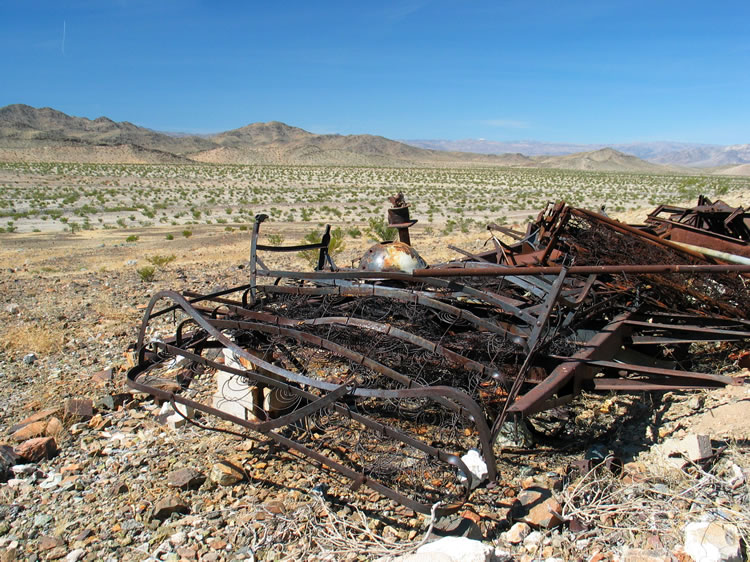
[(579, 269)]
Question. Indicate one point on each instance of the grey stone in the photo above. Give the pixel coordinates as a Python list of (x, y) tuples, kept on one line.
[(514, 434), (29, 358)]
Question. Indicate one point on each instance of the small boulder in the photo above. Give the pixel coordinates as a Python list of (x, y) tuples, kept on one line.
[(30, 430), (80, 409), (537, 507), (225, 473), (517, 533), (34, 450), (185, 478), (167, 506)]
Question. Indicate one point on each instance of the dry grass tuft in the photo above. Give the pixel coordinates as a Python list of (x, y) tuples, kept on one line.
[(27, 338), (660, 503)]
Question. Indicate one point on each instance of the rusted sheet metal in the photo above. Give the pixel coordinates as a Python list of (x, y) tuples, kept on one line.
[(716, 226), (389, 377)]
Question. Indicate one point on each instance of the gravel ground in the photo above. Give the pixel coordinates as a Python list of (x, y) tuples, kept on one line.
[(117, 490)]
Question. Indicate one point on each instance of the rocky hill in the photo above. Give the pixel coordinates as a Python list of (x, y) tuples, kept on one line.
[(28, 133), (603, 160)]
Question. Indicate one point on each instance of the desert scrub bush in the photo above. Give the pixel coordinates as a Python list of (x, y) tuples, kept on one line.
[(169, 236), (187, 233), (146, 273), (275, 239), (132, 238), (379, 231), (354, 232), (160, 261), (335, 245)]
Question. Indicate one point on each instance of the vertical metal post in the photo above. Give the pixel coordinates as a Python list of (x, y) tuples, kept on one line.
[(253, 251)]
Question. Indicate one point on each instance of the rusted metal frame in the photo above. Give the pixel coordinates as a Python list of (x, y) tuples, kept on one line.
[(544, 316), (702, 231), (254, 253), (449, 397), (406, 297), (646, 370), (297, 248), (346, 277), (457, 400), (627, 229), (452, 398), (533, 343), (202, 297), (379, 327), (536, 285), (386, 329), (603, 345), (389, 330), (686, 328), (560, 219), (582, 269), (509, 305), (358, 479), (698, 318), (507, 231), (630, 385), (671, 340)]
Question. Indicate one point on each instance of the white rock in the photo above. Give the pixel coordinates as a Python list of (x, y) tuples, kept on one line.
[(476, 465), (533, 539), (178, 538), (458, 549), (517, 533), (75, 555), (713, 542)]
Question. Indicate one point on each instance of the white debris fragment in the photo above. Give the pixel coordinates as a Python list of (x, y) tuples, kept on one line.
[(476, 465)]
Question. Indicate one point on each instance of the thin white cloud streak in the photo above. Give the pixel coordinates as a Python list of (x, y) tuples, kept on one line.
[(506, 123)]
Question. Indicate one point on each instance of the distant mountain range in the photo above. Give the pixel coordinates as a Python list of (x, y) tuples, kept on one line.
[(31, 134), (661, 152)]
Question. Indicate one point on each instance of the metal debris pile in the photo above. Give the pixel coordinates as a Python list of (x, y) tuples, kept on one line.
[(392, 373)]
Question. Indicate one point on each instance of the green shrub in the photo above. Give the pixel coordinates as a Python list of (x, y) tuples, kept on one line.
[(160, 261), (132, 238), (379, 231), (187, 233), (146, 273), (335, 245), (170, 236)]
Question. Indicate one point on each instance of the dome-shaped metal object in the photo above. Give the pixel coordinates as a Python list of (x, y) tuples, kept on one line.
[(392, 256)]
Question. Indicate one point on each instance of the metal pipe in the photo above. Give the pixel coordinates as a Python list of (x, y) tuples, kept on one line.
[(725, 256), (579, 269)]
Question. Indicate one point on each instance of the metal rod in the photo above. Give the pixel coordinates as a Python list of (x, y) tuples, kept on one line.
[(579, 269)]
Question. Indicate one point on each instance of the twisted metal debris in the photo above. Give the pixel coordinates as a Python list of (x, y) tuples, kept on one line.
[(389, 377)]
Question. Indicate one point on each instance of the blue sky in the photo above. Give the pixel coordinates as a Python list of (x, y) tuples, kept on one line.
[(565, 71)]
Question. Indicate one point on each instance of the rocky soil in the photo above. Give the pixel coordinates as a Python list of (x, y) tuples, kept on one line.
[(98, 475)]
